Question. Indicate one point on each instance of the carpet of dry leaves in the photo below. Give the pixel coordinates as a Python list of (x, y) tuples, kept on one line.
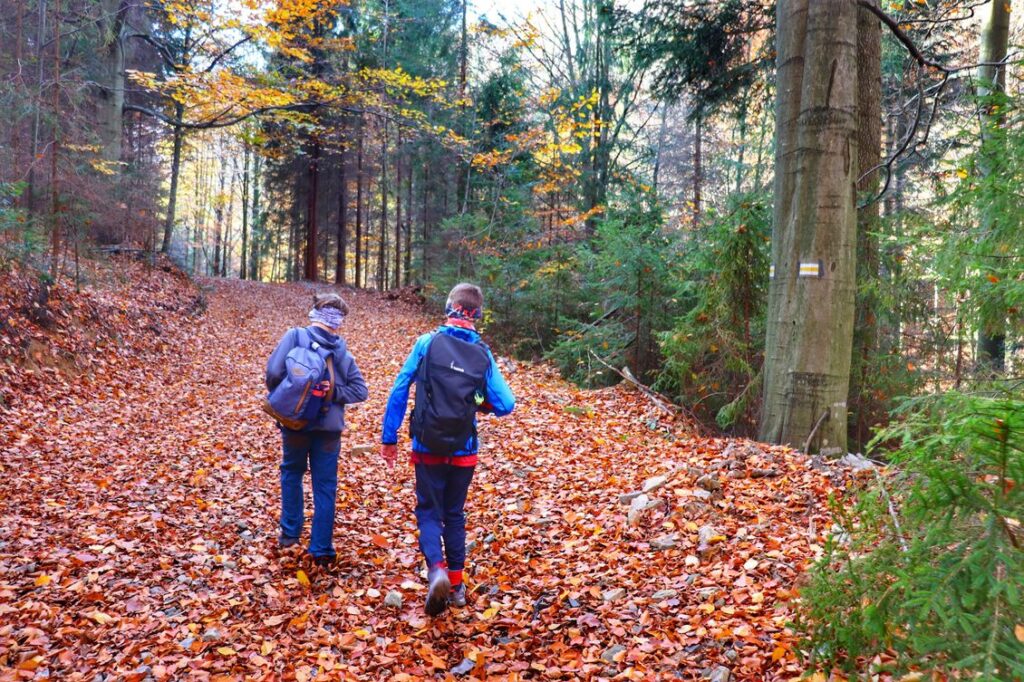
[(138, 516)]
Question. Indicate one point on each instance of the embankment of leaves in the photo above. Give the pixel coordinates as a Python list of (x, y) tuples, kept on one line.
[(53, 334)]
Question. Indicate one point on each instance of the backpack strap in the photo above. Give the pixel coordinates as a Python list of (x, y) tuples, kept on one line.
[(330, 374)]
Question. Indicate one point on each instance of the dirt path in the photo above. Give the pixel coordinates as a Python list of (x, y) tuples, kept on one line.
[(138, 526)]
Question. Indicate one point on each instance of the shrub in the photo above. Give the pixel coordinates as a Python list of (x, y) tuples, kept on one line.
[(713, 352), (929, 562)]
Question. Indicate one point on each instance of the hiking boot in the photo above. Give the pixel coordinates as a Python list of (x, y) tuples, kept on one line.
[(458, 595), (437, 590), (325, 561), (285, 543)]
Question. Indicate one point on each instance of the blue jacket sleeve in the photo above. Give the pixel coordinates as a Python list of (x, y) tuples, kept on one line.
[(351, 388), (394, 414), (499, 395), (275, 364)]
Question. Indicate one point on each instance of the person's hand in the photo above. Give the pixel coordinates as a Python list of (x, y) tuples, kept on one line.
[(390, 454)]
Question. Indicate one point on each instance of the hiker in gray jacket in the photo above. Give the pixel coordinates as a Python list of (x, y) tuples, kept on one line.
[(318, 443)]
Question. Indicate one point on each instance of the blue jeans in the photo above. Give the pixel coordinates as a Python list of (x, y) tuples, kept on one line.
[(320, 450), (440, 512)]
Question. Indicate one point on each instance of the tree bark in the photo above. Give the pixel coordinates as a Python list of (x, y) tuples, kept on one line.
[(110, 91), (341, 262), (55, 227), (218, 212), (243, 260), (312, 229), (30, 192), (172, 195), (382, 244), (398, 212), (869, 154), (408, 225), (698, 168), (258, 244), (995, 33), (359, 207), (810, 319)]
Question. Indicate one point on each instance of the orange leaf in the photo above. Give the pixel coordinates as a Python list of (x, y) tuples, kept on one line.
[(380, 541)]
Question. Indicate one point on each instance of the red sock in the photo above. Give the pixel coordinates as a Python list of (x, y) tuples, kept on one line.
[(455, 577)]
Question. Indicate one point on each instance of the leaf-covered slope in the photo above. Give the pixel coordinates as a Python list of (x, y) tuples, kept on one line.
[(139, 527)]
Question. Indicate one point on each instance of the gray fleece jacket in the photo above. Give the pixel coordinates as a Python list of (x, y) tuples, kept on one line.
[(349, 384)]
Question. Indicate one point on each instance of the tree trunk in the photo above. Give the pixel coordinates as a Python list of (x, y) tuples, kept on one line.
[(225, 265), (408, 225), (995, 34), (243, 270), (359, 208), (55, 228), (869, 154), (698, 168), (258, 244), (382, 245), (424, 266), (110, 91), (218, 212), (398, 212), (30, 191), (172, 195), (312, 235), (340, 262), (810, 318)]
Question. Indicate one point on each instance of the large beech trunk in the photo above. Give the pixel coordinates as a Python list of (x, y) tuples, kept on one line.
[(810, 318)]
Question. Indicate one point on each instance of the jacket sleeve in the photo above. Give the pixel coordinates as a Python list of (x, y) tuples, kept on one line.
[(399, 398), (352, 387), (275, 364), (499, 395)]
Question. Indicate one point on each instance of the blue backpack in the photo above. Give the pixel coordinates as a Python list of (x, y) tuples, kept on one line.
[(307, 385)]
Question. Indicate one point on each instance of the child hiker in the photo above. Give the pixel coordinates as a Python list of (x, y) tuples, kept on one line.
[(311, 376), (456, 377)]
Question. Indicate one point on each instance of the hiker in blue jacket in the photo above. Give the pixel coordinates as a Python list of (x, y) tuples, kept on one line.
[(443, 478), (318, 442)]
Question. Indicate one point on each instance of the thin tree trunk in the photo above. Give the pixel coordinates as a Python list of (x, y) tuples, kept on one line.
[(37, 114), (398, 211), (257, 223), (172, 196), (382, 245), (218, 212), (408, 225), (359, 207), (243, 270), (312, 235), (869, 153), (340, 263), (225, 267), (810, 318), (55, 228), (995, 34), (698, 168), (426, 226), (662, 128)]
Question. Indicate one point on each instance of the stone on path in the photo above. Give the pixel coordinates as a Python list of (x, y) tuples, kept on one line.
[(614, 594)]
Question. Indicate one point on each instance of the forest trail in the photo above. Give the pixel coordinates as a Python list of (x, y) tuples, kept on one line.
[(140, 506)]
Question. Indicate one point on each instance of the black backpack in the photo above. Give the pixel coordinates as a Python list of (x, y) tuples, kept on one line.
[(451, 383)]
